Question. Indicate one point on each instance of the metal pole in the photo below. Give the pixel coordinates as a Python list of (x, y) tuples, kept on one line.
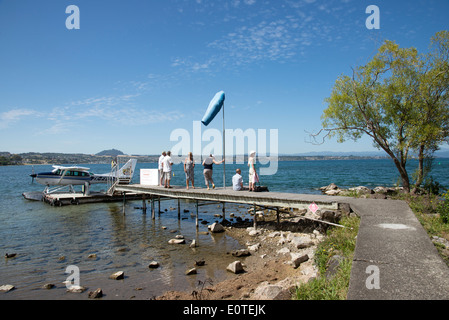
[(152, 207), (255, 217), (224, 153), (196, 219), (223, 211), (124, 201)]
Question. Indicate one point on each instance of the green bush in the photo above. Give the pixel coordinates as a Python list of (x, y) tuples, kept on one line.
[(443, 208)]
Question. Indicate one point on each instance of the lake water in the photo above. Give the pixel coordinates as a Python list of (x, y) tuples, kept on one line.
[(49, 239)]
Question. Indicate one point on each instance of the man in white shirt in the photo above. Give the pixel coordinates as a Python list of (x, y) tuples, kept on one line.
[(161, 172), (237, 181), (166, 168)]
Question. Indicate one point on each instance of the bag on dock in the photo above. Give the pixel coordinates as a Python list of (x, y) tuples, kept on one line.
[(260, 189)]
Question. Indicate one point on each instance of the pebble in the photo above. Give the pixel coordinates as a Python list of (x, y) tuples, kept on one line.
[(191, 271), (119, 275), (96, 294), (7, 287)]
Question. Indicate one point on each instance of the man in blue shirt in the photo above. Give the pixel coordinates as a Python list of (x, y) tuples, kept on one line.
[(237, 181)]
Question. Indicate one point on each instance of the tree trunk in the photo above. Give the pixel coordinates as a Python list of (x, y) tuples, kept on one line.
[(404, 175), (420, 176), (400, 165)]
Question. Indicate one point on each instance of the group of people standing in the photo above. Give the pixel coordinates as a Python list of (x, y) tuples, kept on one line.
[(165, 171)]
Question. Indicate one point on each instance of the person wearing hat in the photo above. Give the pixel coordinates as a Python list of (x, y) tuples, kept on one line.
[(252, 170), (207, 164)]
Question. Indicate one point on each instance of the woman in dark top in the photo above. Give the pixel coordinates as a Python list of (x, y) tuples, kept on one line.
[(207, 164)]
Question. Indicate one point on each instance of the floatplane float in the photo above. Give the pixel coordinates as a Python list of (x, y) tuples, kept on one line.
[(66, 177)]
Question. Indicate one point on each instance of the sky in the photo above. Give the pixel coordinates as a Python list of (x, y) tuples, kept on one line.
[(134, 73)]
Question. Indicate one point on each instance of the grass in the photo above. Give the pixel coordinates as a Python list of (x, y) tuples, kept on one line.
[(338, 241), (432, 211)]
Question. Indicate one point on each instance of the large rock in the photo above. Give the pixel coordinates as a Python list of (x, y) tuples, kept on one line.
[(331, 190), (235, 267), (332, 186), (216, 227), (335, 192), (176, 241), (191, 271), (266, 291), (301, 242), (330, 216), (333, 265), (76, 289), (297, 259), (119, 275), (6, 287), (361, 190), (96, 294), (241, 253), (193, 244), (254, 247)]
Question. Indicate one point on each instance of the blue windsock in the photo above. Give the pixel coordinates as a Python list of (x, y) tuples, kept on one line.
[(214, 107)]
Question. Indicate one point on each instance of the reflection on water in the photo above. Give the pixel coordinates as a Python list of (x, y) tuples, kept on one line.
[(100, 240)]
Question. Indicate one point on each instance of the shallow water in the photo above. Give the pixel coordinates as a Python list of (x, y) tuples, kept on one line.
[(49, 239)]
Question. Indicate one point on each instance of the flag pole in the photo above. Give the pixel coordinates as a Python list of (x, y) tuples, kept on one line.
[(224, 162)]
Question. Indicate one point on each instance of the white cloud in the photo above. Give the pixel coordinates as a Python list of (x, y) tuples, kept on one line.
[(103, 111), (268, 33), (10, 117)]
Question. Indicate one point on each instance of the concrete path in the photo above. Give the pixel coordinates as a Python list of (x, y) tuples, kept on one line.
[(394, 256)]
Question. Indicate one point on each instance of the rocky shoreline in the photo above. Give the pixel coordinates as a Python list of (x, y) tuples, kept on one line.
[(275, 258), (361, 191)]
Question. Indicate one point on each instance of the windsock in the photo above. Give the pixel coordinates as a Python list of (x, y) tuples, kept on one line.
[(214, 107)]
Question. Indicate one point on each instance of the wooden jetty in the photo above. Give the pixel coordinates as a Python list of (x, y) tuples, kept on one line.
[(277, 201), (269, 200)]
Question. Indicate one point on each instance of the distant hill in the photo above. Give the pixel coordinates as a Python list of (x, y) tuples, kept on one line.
[(110, 152)]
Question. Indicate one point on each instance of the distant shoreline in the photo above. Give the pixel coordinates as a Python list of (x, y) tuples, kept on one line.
[(34, 158)]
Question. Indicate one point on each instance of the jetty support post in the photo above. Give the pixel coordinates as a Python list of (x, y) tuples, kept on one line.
[(196, 217), (144, 204), (223, 211), (179, 210), (277, 215), (255, 217), (124, 201), (152, 208), (159, 204)]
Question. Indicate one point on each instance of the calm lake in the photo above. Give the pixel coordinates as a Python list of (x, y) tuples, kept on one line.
[(48, 239)]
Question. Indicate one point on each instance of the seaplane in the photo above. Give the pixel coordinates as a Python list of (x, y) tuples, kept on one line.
[(63, 177)]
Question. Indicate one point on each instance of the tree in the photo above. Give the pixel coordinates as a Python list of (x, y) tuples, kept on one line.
[(432, 127), (399, 99)]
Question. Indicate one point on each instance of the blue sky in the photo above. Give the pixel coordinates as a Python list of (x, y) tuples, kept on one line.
[(137, 70)]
